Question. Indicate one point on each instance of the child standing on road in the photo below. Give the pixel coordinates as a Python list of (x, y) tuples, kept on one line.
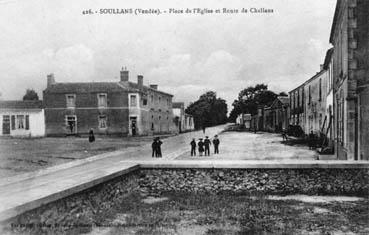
[(201, 146), (193, 147)]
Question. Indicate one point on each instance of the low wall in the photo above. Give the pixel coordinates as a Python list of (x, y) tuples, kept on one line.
[(270, 181), (80, 210), (77, 211)]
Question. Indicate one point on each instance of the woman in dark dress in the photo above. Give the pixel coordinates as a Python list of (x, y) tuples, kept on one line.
[(91, 136), (201, 147)]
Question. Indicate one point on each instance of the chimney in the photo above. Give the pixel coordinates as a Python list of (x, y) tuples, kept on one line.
[(321, 67), (140, 80), (152, 86), (50, 79), (124, 74)]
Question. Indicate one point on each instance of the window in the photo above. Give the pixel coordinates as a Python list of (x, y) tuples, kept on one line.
[(102, 100), (20, 122), (151, 99), (71, 100), (159, 99), (102, 122), (133, 101), (144, 102)]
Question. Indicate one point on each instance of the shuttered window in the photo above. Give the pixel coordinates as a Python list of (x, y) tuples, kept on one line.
[(27, 122), (13, 122)]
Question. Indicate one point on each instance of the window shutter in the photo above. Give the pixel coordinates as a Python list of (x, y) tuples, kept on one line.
[(27, 122), (13, 122)]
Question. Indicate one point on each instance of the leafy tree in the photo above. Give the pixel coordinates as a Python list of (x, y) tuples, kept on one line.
[(250, 98), (30, 95), (208, 110)]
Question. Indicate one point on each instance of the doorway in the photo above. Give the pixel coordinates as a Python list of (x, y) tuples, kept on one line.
[(133, 124), (71, 123)]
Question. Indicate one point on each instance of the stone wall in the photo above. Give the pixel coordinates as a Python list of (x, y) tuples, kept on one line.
[(74, 212), (77, 213), (270, 181)]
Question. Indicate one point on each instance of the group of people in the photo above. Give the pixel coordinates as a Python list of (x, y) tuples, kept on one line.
[(204, 146), (156, 147)]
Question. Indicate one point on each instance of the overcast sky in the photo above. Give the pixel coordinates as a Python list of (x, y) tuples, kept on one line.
[(185, 54)]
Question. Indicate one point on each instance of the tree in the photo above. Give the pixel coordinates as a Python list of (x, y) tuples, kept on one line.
[(250, 98), (30, 95), (208, 110)]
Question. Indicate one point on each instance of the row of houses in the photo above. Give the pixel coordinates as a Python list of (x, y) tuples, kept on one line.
[(122, 108), (334, 103)]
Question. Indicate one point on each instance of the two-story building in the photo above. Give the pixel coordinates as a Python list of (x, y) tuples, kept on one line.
[(184, 122), (315, 102), (117, 108), (350, 38), (297, 107)]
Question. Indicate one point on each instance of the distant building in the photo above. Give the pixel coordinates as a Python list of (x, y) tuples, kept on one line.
[(279, 114), (350, 38), (22, 118), (244, 119), (184, 122), (117, 108), (297, 107), (315, 102)]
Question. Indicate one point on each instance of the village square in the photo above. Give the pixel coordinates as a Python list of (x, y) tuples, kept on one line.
[(198, 142)]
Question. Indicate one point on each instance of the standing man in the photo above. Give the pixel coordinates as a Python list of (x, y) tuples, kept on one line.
[(154, 147), (193, 147), (207, 144), (158, 147), (216, 143)]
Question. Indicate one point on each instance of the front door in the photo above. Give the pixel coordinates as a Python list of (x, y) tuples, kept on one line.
[(71, 122), (6, 124)]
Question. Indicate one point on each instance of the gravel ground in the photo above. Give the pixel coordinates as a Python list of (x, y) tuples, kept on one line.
[(259, 146), (25, 155)]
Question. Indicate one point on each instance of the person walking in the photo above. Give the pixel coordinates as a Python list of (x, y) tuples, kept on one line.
[(91, 136), (200, 144), (284, 135), (193, 147), (311, 140), (216, 143), (158, 147), (154, 147), (207, 144)]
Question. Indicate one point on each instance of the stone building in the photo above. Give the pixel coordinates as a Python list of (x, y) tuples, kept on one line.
[(315, 102), (118, 108), (350, 38), (297, 107), (328, 126), (277, 115), (184, 122), (22, 118)]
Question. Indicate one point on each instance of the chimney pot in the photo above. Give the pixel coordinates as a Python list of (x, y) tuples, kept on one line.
[(124, 75), (50, 79), (155, 87), (140, 80)]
